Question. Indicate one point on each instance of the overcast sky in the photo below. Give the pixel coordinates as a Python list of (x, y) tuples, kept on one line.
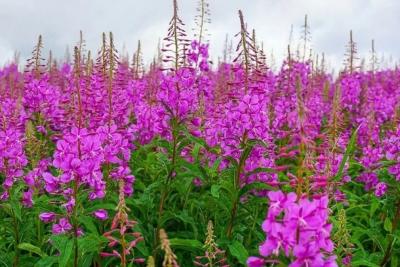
[(21, 21)]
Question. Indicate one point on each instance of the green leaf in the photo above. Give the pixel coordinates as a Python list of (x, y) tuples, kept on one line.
[(194, 139), (215, 190), (232, 160), (230, 189), (65, 247), (86, 260), (58, 241), (164, 143), (31, 248), (257, 142), (349, 150), (257, 185), (142, 248), (6, 208), (394, 261), (364, 263), (66, 253), (184, 217), (239, 251), (102, 205), (91, 243), (196, 151), (186, 244), (374, 207), (87, 221), (246, 152), (47, 261), (16, 209), (387, 225), (193, 169), (216, 164)]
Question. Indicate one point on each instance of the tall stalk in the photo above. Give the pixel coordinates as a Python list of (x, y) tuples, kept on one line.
[(165, 191), (238, 172), (76, 180), (243, 33), (17, 237)]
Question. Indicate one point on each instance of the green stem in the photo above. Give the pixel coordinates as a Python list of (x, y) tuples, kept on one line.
[(237, 197), (252, 228), (389, 249), (232, 219), (187, 197), (75, 209), (39, 231), (75, 224), (16, 243), (165, 191), (169, 177)]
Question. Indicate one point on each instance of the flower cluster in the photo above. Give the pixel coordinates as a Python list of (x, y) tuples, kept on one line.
[(392, 149), (12, 159), (78, 158), (297, 228), (198, 55)]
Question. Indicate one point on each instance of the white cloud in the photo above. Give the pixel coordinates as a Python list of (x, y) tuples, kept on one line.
[(60, 21)]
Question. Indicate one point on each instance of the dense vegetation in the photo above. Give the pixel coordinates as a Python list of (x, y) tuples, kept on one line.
[(190, 163)]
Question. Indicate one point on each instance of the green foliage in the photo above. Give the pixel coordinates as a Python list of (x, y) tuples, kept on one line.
[(167, 197)]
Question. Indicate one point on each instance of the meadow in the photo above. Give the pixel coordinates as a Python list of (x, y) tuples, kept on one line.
[(107, 161)]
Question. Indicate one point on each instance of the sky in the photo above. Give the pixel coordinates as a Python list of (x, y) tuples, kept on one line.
[(59, 22)]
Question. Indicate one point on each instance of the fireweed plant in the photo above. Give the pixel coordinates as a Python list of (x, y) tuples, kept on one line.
[(106, 162)]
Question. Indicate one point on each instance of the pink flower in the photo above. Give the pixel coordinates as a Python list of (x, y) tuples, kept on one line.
[(101, 214), (51, 182), (299, 228), (47, 217), (307, 255), (27, 199), (380, 189), (279, 201), (255, 262), (347, 260), (61, 227)]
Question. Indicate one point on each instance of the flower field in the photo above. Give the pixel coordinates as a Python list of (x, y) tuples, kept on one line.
[(187, 162)]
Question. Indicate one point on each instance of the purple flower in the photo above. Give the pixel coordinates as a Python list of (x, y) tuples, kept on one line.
[(51, 182), (41, 129), (255, 262), (307, 255), (27, 199), (79, 232), (347, 260), (278, 201), (299, 228), (395, 170), (101, 214), (380, 189), (197, 182), (282, 240), (70, 204), (47, 217), (370, 179), (331, 262), (61, 227)]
